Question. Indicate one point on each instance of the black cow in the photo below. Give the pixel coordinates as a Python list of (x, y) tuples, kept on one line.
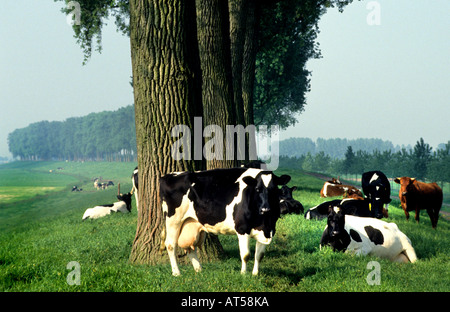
[(287, 203), (223, 201), (377, 190)]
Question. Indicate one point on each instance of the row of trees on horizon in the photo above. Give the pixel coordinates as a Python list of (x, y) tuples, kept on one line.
[(104, 136), (420, 162)]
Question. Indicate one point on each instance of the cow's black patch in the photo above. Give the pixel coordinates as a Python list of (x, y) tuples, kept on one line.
[(355, 236), (172, 189), (374, 235), (212, 192), (107, 205)]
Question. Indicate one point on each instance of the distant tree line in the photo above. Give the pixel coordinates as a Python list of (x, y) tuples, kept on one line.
[(420, 162), (104, 136), (335, 148)]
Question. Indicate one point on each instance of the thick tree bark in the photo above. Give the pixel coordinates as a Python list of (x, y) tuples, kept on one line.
[(249, 59), (217, 95), (166, 81), (238, 14)]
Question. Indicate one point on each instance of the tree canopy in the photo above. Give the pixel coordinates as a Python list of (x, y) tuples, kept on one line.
[(285, 34)]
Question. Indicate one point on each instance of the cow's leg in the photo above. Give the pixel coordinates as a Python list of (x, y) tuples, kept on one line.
[(406, 214), (259, 254), (244, 250), (172, 232), (192, 254), (417, 216), (433, 217)]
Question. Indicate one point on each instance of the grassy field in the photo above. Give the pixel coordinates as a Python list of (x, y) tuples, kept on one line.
[(41, 233)]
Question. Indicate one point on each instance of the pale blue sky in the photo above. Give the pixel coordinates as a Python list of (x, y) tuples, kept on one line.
[(389, 81)]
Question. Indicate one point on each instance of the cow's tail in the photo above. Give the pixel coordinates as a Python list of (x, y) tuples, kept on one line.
[(162, 246)]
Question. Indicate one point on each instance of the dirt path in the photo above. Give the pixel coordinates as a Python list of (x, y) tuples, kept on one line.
[(444, 214)]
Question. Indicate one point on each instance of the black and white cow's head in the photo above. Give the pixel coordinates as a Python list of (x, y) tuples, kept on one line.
[(260, 205), (377, 190), (337, 236), (263, 192), (125, 198), (287, 203)]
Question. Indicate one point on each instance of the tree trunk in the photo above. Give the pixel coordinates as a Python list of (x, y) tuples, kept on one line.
[(217, 92), (249, 59), (163, 81), (166, 82)]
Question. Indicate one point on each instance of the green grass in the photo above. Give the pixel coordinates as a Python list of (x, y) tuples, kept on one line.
[(39, 237)]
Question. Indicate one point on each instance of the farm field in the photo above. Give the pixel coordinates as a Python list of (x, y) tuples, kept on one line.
[(40, 234)]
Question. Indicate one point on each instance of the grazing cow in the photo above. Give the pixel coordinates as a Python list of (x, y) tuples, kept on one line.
[(227, 201), (134, 182), (330, 189), (366, 236), (76, 189), (377, 190), (123, 205), (415, 195), (287, 203)]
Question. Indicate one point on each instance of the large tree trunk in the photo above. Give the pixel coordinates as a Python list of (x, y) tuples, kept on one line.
[(166, 83), (249, 59), (215, 58)]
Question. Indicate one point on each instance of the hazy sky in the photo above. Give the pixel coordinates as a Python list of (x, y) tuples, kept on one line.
[(389, 81)]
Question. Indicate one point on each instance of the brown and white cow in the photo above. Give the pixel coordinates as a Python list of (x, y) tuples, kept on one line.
[(331, 189), (415, 196)]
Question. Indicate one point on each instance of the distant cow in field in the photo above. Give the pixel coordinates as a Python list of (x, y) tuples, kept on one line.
[(123, 205), (287, 203), (366, 236), (331, 189), (415, 196), (377, 190), (222, 201)]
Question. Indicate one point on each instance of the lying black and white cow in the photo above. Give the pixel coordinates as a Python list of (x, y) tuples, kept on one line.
[(366, 236), (222, 201), (287, 203), (123, 205), (134, 182), (377, 190)]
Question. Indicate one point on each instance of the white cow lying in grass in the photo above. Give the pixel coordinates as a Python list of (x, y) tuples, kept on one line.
[(123, 205), (367, 236)]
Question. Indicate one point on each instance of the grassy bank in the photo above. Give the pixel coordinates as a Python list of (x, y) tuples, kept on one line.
[(40, 235)]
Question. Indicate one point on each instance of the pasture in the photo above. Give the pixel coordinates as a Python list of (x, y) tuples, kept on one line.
[(42, 232)]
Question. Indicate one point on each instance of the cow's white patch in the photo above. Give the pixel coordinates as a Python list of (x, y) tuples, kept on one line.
[(374, 178), (377, 187), (266, 179), (325, 188)]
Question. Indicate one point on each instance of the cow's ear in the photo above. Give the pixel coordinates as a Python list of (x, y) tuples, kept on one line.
[(284, 179), (293, 188), (250, 181), (397, 180)]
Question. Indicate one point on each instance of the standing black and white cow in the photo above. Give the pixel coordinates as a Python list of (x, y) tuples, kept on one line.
[(377, 190), (223, 201), (135, 188), (366, 236), (287, 203)]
